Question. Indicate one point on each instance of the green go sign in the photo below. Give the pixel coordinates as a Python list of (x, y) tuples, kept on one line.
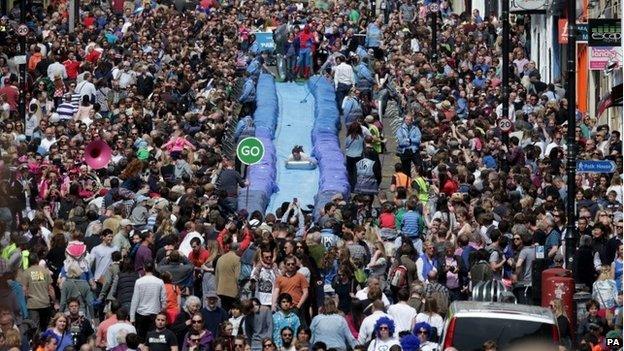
[(250, 150)]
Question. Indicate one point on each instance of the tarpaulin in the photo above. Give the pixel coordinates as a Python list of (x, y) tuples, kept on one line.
[(326, 145), (261, 176)]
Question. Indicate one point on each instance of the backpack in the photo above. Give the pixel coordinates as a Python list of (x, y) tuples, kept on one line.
[(247, 263), (398, 276)]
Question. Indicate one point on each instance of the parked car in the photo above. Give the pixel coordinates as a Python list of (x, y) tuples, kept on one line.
[(471, 323)]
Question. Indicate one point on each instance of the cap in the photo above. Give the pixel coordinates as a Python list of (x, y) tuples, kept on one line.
[(254, 223), (125, 222), (211, 294)]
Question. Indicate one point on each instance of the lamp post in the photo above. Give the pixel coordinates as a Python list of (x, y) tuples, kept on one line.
[(505, 63), (22, 32), (570, 237), (434, 8)]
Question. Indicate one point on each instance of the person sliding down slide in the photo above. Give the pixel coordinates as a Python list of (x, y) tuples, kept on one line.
[(299, 160)]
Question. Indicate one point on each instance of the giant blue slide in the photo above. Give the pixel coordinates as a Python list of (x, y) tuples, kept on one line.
[(294, 125), (283, 119)]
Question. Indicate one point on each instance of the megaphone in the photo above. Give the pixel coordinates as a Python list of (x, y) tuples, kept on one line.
[(98, 154)]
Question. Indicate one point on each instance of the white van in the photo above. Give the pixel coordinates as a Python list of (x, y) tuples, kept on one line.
[(471, 323)]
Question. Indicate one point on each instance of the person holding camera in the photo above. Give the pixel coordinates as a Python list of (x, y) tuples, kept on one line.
[(77, 323)]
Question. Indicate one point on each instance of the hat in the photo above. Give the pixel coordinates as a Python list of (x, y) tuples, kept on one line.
[(125, 222), (211, 294), (369, 119), (614, 334), (337, 196), (254, 223), (410, 343)]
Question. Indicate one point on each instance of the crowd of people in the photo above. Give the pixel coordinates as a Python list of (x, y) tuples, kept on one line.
[(151, 251)]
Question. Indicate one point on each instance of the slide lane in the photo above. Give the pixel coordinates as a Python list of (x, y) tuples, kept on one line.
[(294, 126)]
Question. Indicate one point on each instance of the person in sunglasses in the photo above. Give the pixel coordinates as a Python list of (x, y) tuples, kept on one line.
[(384, 330), (423, 331), (198, 337), (268, 345)]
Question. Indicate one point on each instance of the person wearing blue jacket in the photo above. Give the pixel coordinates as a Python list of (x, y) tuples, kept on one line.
[(364, 78), (408, 143), (351, 108), (248, 97), (244, 128), (373, 38), (332, 328)]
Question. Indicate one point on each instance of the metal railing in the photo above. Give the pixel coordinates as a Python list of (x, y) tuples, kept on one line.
[(228, 143)]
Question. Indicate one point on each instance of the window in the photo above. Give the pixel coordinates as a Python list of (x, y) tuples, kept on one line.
[(472, 332)]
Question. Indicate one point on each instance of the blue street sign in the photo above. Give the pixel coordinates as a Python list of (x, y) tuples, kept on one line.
[(595, 166)]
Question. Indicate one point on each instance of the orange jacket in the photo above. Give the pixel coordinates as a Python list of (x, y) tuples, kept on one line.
[(34, 60)]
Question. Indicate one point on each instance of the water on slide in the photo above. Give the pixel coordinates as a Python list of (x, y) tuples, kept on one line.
[(294, 127)]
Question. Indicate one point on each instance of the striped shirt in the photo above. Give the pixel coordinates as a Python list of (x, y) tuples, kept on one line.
[(66, 110), (411, 224)]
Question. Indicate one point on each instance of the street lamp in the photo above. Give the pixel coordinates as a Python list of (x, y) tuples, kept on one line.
[(570, 237), (434, 8)]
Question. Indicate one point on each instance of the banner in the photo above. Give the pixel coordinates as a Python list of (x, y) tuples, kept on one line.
[(604, 32), (265, 41), (528, 5), (601, 57)]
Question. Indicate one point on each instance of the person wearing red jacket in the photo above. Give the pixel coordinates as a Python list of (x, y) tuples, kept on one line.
[(242, 236), (71, 66), (448, 184)]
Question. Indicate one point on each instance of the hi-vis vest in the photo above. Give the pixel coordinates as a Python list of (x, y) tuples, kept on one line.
[(422, 189), (402, 180)]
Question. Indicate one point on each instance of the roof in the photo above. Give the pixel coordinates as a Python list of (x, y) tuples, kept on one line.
[(458, 307)]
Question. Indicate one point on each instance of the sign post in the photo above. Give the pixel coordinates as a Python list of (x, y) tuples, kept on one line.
[(249, 151), (22, 31), (434, 8), (596, 166)]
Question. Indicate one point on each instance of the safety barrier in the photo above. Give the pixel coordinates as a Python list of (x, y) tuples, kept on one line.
[(261, 176), (228, 143), (326, 146)]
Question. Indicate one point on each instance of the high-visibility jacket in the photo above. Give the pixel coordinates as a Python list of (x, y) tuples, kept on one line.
[(402, 180), (422, 187)]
